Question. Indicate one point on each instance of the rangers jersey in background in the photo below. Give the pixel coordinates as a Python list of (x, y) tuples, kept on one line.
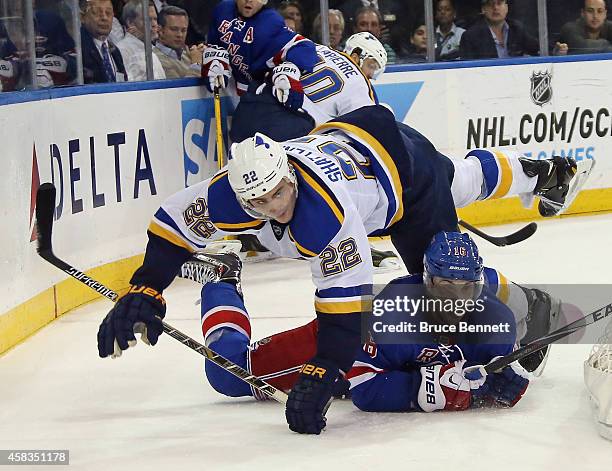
[(335, 86), (257, 44)]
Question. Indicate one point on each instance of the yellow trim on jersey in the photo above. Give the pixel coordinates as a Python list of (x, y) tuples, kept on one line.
[(319, 189), (238, 225), (217, 177), (367, 80), (302, 250), (343, 307), (503, 292), (169, 236), (382, 153), (506, 176)]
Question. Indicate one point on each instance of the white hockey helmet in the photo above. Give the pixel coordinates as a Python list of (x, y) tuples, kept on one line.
[(256, 165), (367, 46)]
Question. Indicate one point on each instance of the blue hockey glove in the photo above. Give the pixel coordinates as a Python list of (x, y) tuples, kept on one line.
[(506, 388), (286, 85), (141, 311), (308, 399)]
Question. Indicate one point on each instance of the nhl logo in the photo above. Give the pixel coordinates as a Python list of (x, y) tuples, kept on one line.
[(541, 90)]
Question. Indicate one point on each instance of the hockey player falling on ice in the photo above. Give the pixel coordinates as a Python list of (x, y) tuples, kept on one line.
[(421, 372), (318, 198)]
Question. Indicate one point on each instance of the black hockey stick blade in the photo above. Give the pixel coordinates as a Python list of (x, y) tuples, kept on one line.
[(45, 206), (542, 342), (501, 241)]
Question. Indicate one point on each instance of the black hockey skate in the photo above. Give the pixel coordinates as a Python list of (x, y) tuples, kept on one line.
[(543, 316), (213, 268), (384, 260), (559, 181)]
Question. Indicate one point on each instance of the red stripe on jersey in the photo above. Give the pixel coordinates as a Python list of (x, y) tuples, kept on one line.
[(361, 370), (227, 318)]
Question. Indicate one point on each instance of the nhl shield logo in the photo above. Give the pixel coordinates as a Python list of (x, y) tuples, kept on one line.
[(541, 90)]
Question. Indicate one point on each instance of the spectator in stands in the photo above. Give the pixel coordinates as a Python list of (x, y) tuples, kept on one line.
[(292, 9), (102, 61), (9, 63), (117, 31), (54, 48), (336, 29), (417, 50), (290, 23), (369, 19), (591, 33), (176, 59), (448, 34), (132, 46), (397, 21), (496, 36)]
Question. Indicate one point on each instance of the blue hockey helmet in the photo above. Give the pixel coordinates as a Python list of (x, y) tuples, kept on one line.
[(453, 268), (453, 256)]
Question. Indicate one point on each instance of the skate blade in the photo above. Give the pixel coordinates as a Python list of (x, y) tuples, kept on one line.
[(222, 246), (256, 257), (387, 265), (540, 369), (583, 170)]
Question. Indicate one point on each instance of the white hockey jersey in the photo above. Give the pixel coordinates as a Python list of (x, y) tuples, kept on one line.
[(336, 86), (344, 194)]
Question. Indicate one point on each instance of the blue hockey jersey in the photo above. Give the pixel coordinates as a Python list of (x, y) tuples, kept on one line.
[(387, 377), (258, 44)]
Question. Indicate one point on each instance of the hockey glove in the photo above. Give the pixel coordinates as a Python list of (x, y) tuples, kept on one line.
[(8, 76), (506, 388), (286, 85), (449, 387), (216, 68), (141, 311), (51, 71), (310, 395)]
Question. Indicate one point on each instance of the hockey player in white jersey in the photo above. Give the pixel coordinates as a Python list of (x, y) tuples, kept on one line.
[(318, 198), (339, 83)]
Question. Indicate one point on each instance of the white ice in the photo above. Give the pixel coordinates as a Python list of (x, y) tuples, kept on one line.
[(152, 409)]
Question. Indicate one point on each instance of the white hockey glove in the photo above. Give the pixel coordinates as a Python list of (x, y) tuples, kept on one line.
[(216, 68), (51, 70), (8, 76), (449, 387), (286, 85)]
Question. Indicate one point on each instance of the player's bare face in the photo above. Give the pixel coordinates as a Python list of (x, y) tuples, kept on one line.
[(369, 67), (277, 204), (594, 14), (248, 8), (453, 289)]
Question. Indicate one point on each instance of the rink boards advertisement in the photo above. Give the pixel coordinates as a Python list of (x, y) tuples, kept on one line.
[(116, 152)]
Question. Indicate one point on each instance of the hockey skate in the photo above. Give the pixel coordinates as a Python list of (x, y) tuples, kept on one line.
[(207, 267), (384, 261), (253, 251), (560, 179), (543, 316)]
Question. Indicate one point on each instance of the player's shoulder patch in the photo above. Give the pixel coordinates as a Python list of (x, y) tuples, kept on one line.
[(318, 214), (225, 210)]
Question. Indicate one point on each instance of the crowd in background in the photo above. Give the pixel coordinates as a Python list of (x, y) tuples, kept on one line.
[(112, 33)]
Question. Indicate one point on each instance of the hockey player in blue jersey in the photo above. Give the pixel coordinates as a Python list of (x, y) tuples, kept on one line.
[(318, 198), (252, 40), (418, 372)]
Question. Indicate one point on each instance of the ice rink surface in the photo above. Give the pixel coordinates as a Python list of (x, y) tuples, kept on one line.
[(152, 409)]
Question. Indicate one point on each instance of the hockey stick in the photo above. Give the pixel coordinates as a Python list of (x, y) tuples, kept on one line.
[(539, 344), (45, 202), (510, 239), (218, 124)]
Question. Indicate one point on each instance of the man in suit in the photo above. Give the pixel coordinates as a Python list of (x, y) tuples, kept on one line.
[(495, 36), (102, 61)]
